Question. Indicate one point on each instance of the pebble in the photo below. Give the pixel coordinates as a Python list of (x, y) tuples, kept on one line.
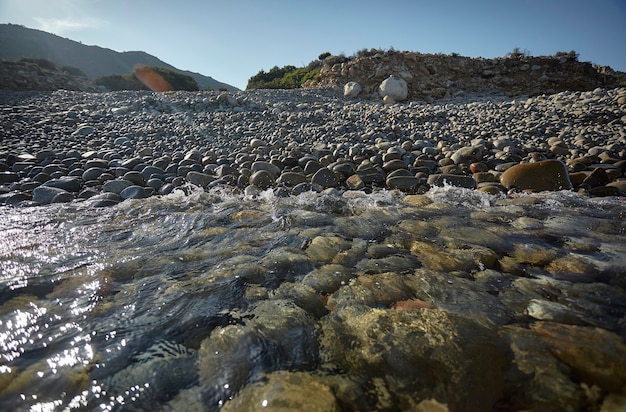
[(356, 145)]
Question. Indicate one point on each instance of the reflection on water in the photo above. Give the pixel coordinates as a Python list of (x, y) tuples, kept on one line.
[(107, 307)]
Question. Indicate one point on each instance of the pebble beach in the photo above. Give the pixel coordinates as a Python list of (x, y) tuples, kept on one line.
[(206, 250)]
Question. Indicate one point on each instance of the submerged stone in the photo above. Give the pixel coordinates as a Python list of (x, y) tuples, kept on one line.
[(439, 354)]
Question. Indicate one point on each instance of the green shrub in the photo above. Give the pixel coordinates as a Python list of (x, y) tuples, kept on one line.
[(178, 81), (571, 55), (75, 71), (44, 63), (117, 82), (324, 55)]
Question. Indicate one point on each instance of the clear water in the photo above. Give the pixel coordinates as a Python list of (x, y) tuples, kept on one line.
[(86, 293)]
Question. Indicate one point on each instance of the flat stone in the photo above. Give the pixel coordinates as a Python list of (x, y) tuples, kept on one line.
[(8, 177), (134, 192), (68, 183), (199, 178), (45, 194), (116, 186), (291, 179), (93, 173), (407, 184)]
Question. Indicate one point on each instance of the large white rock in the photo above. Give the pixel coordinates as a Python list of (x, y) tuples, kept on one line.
[(395, 87), (351, 89)]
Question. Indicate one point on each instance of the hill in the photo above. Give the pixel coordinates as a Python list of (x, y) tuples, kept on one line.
[(435, 76), (18, 42)]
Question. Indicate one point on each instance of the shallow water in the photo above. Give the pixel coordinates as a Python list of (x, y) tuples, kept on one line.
[(107, 309)]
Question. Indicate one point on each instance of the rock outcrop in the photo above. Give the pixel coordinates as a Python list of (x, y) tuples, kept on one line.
[(31, 76), (435, 76)]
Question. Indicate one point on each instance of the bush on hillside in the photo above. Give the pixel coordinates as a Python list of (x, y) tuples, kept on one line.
[(178, 81), (571, 55), (74, 71), (44, 63), (117, 82), (286, 77)]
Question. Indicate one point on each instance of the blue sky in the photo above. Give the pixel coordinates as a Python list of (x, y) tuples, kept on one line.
[(232, 40)]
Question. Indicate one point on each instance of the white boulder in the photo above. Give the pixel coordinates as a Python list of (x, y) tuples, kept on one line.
[(351, 89), (395, 87)]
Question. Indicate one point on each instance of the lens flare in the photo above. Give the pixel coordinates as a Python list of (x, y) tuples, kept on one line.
[(151, 79)]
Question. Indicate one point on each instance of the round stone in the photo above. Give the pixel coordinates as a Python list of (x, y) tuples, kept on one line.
[(291, 179), (325, 178), (261, 179), (537, 177)]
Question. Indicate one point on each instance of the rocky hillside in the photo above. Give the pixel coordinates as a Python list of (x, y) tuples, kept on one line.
[(435, 76), (23, 75), (18, 42)]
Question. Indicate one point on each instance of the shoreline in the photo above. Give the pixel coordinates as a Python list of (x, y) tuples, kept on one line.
[(66, 146)]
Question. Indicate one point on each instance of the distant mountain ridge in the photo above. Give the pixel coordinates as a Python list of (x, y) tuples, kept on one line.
[(17, 42)]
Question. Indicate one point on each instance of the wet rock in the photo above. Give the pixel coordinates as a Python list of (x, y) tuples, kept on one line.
[(291, 179), (261, 179), (135, 192), (64, 197), (441, 355), (199, 178), (460, 295), (537, 177), (541, 382), (325, 248), (270, 168), (116, 186), (285, 391), (595, 355), (467, 155), (106, 199), (355, 182), (44, 195), (8, 177), (372, 290), (328, 278), (278, 334), (553, 311), (70, 184), (451, 179), (325, 178), (407, 184)]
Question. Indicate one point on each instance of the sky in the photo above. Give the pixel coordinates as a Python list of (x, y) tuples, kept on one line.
[(232, 40)]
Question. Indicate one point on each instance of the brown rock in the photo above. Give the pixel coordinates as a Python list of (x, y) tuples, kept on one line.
[(597, 356), (537, 177), (285, 391), (355, 182), (620, 185), (597, 178)]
